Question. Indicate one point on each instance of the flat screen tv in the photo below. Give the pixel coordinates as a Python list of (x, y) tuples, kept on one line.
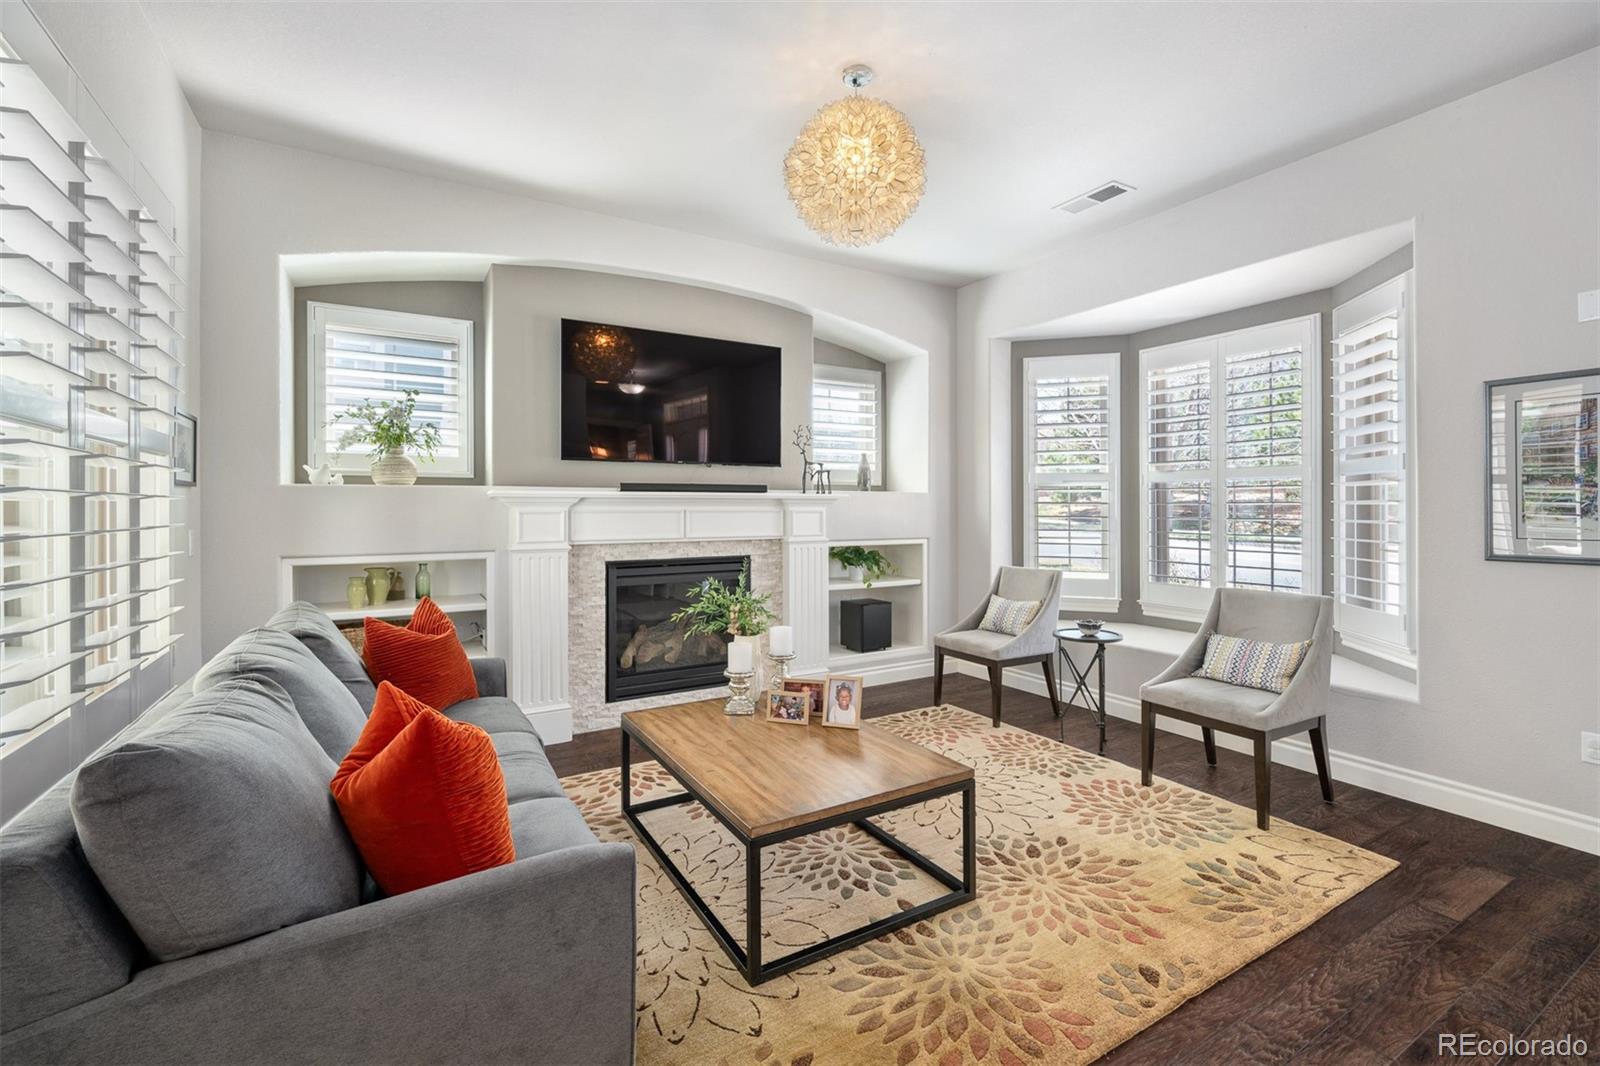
[(642, 396)]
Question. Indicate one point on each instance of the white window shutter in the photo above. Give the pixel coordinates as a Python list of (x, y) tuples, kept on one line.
[(847, 422)]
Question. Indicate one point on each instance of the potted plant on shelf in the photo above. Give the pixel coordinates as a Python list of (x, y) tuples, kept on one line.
[(737, 612), (865, 565), (390, 429)]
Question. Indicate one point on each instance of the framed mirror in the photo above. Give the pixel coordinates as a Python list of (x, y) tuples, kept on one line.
[(1542, 498)]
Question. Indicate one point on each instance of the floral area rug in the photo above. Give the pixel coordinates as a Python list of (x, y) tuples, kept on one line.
[(1102, 906)]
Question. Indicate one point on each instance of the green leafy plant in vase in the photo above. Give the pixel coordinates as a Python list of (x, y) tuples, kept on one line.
[(717, 609), (391, 429), (865, 565)]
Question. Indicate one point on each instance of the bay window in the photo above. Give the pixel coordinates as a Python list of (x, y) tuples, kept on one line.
[(1229, 466), (1070, 475)]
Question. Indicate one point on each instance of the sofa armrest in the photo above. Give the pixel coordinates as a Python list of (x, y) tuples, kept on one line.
[(532, 962), (490, 674)]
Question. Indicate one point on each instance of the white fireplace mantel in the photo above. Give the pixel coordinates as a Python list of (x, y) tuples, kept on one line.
[(546, 522)]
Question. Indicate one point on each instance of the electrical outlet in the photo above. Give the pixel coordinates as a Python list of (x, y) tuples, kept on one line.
[(1590, 752)]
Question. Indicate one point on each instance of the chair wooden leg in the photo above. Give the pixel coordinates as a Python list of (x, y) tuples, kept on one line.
[(1209, 735), (1319, 748), (1147, 742), (1263, 781), (994, 693), (938, 676), (1050, 685)]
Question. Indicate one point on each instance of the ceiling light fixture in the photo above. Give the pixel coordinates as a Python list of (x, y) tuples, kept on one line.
[(603, 354), (855, 173), (631, 387)]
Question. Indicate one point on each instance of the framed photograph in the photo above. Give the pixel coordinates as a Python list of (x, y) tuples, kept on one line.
[(791, 708), (813, 689), (841, 707), (1542, 495), (185, 458)]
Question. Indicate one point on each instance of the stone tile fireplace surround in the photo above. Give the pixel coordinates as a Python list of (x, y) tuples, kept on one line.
[(559, 541)]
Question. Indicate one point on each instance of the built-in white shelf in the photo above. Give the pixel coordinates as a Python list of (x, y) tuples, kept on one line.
[(343, 612), (906, 592), (462, 586), (881, 583)]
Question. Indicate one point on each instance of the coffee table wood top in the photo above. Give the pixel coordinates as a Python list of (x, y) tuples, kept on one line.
[(765, 777)]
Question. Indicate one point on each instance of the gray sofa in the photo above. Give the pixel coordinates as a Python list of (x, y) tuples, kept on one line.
[(247, 931)]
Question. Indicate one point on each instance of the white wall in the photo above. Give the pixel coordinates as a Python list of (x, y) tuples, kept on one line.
[(1504, 192), (264, 201)]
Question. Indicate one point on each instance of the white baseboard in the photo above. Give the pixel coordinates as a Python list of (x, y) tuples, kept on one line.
[(889, 673), (553, 721), (1569, 828)]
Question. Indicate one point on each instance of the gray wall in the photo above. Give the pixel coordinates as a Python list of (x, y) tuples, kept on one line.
[(828, 354), (527, 305), (446, 299), (1319, 303)]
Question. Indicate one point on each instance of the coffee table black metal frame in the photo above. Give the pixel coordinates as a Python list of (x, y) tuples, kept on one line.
[(1095, 706), (749, 961)]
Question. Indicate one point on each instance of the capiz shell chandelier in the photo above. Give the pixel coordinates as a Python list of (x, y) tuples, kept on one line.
[(603, 354), (855, 173)]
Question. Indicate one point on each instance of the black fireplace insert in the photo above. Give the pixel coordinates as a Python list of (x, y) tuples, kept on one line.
[(647, 653)]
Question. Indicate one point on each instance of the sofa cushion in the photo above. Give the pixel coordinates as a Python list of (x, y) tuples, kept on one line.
[(424, 658), (316, 631), (325, 705), (523, 761), (543, 825), (215, 824), (422, 796)]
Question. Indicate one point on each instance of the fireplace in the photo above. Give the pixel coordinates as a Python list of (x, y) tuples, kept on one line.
[(647, 653)]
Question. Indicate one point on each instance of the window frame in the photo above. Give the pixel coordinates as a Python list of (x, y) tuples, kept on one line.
[(826, 373), (1100, 594), (321, 316), (1363, 629), (1188, 603)]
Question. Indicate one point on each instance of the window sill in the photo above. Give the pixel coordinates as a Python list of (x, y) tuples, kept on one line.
[(1074, 607), (1173, 612), (1348, 676), (1379, 649)]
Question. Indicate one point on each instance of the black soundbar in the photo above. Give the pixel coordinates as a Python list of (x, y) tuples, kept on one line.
[(686, 486)]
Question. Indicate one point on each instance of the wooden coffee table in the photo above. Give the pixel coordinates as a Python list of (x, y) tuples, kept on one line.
[(768, 782)]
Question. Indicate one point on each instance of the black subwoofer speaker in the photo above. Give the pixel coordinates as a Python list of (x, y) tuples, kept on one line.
[(865, 625)]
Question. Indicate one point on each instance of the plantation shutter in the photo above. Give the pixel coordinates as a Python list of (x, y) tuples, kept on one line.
[(90, 364), (364, 355), (1178, 466), (1264, 427), (1071, 475), (1369, 484), (847, 421)]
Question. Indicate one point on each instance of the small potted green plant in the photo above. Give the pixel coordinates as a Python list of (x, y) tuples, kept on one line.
[(715, 608), (389, 427), (865, 565)]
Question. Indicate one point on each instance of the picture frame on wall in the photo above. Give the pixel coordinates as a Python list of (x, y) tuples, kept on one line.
[(841, 707), (1541, 489), (185, 449)]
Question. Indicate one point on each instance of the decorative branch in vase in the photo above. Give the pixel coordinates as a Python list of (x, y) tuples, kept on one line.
[(391, 429)]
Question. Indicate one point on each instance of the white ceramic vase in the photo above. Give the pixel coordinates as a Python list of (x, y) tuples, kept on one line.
[(393, 468)]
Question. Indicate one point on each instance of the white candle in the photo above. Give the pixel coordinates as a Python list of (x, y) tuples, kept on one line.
[(740, 658), (781, 640)]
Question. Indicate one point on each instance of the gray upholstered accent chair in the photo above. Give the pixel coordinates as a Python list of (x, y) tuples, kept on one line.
[(996, 651), (1257, 715)]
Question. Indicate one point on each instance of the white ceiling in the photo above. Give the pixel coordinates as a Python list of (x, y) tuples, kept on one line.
[(680, 113), (1308, 270)]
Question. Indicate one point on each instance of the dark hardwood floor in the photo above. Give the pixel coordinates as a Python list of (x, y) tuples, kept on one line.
[(1480, 930)]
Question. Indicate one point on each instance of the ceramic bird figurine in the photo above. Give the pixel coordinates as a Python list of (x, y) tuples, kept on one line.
[(322, 475)]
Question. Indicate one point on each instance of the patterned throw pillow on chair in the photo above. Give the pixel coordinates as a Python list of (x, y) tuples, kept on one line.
[(1008, 616), (1252, 663)]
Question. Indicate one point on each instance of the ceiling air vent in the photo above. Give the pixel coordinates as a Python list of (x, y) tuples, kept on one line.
[(1109, 191)]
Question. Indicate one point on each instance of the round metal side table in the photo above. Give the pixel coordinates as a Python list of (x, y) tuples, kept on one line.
[(1094, 702)]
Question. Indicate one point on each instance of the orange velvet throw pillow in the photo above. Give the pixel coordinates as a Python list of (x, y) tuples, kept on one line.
[(423, 797), (424, 658)]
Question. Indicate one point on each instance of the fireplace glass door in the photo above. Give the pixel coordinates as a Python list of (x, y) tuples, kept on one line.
[(647, 653)]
